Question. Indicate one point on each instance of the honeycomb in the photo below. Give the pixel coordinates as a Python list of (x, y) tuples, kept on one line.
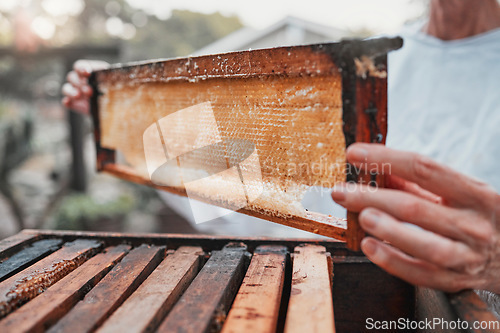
[(275, 135)]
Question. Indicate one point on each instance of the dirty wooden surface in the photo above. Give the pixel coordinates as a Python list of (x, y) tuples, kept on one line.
[(56, 301), (310, 308), (27, 256), (320, 224), (123, 284), (32, 281), (465, 306), (257, 304), (111, 291), (14, 243), (364, 121), (148, 305), (211, 293)]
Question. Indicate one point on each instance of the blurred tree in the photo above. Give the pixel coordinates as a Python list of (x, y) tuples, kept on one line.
[(180, 35), (34, 35), (29, 25)]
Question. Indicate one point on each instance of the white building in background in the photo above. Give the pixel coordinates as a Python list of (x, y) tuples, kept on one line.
[(288, 31)]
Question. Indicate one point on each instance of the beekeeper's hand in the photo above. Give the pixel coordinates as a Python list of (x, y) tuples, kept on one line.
[(76, 90), (457, 243)]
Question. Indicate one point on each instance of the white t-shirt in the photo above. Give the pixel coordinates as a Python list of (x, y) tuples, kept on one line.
[(444, 101)]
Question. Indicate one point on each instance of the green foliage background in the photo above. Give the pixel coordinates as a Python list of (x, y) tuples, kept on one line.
[(182, 33)]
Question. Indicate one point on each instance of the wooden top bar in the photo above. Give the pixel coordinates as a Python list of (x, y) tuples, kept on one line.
[(144, 310), (111, 291), (257, 304), (310, 308)]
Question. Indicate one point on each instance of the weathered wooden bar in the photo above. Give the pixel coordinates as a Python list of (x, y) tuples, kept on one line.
[(111, 291), (257, 305), (147, 307), (211, 293), (53, 303), (33, 280), (27, 256), (311, 293), (214, 283)]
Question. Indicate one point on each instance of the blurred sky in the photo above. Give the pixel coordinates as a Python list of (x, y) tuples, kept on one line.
[(373, 16), (380, 16)]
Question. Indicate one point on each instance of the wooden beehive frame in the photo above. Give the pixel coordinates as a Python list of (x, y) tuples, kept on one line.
[(363, 68)]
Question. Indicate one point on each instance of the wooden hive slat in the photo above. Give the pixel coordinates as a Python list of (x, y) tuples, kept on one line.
[(310, 308), (257, 304), (147, 306), (32, 281), (111, 291), (15, 242), (56, 301), (27, 256), (211, 293)]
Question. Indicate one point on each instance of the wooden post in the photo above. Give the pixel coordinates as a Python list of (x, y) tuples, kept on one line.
[(77, 133)]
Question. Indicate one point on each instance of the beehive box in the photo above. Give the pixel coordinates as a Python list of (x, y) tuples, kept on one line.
[(84, 282)]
